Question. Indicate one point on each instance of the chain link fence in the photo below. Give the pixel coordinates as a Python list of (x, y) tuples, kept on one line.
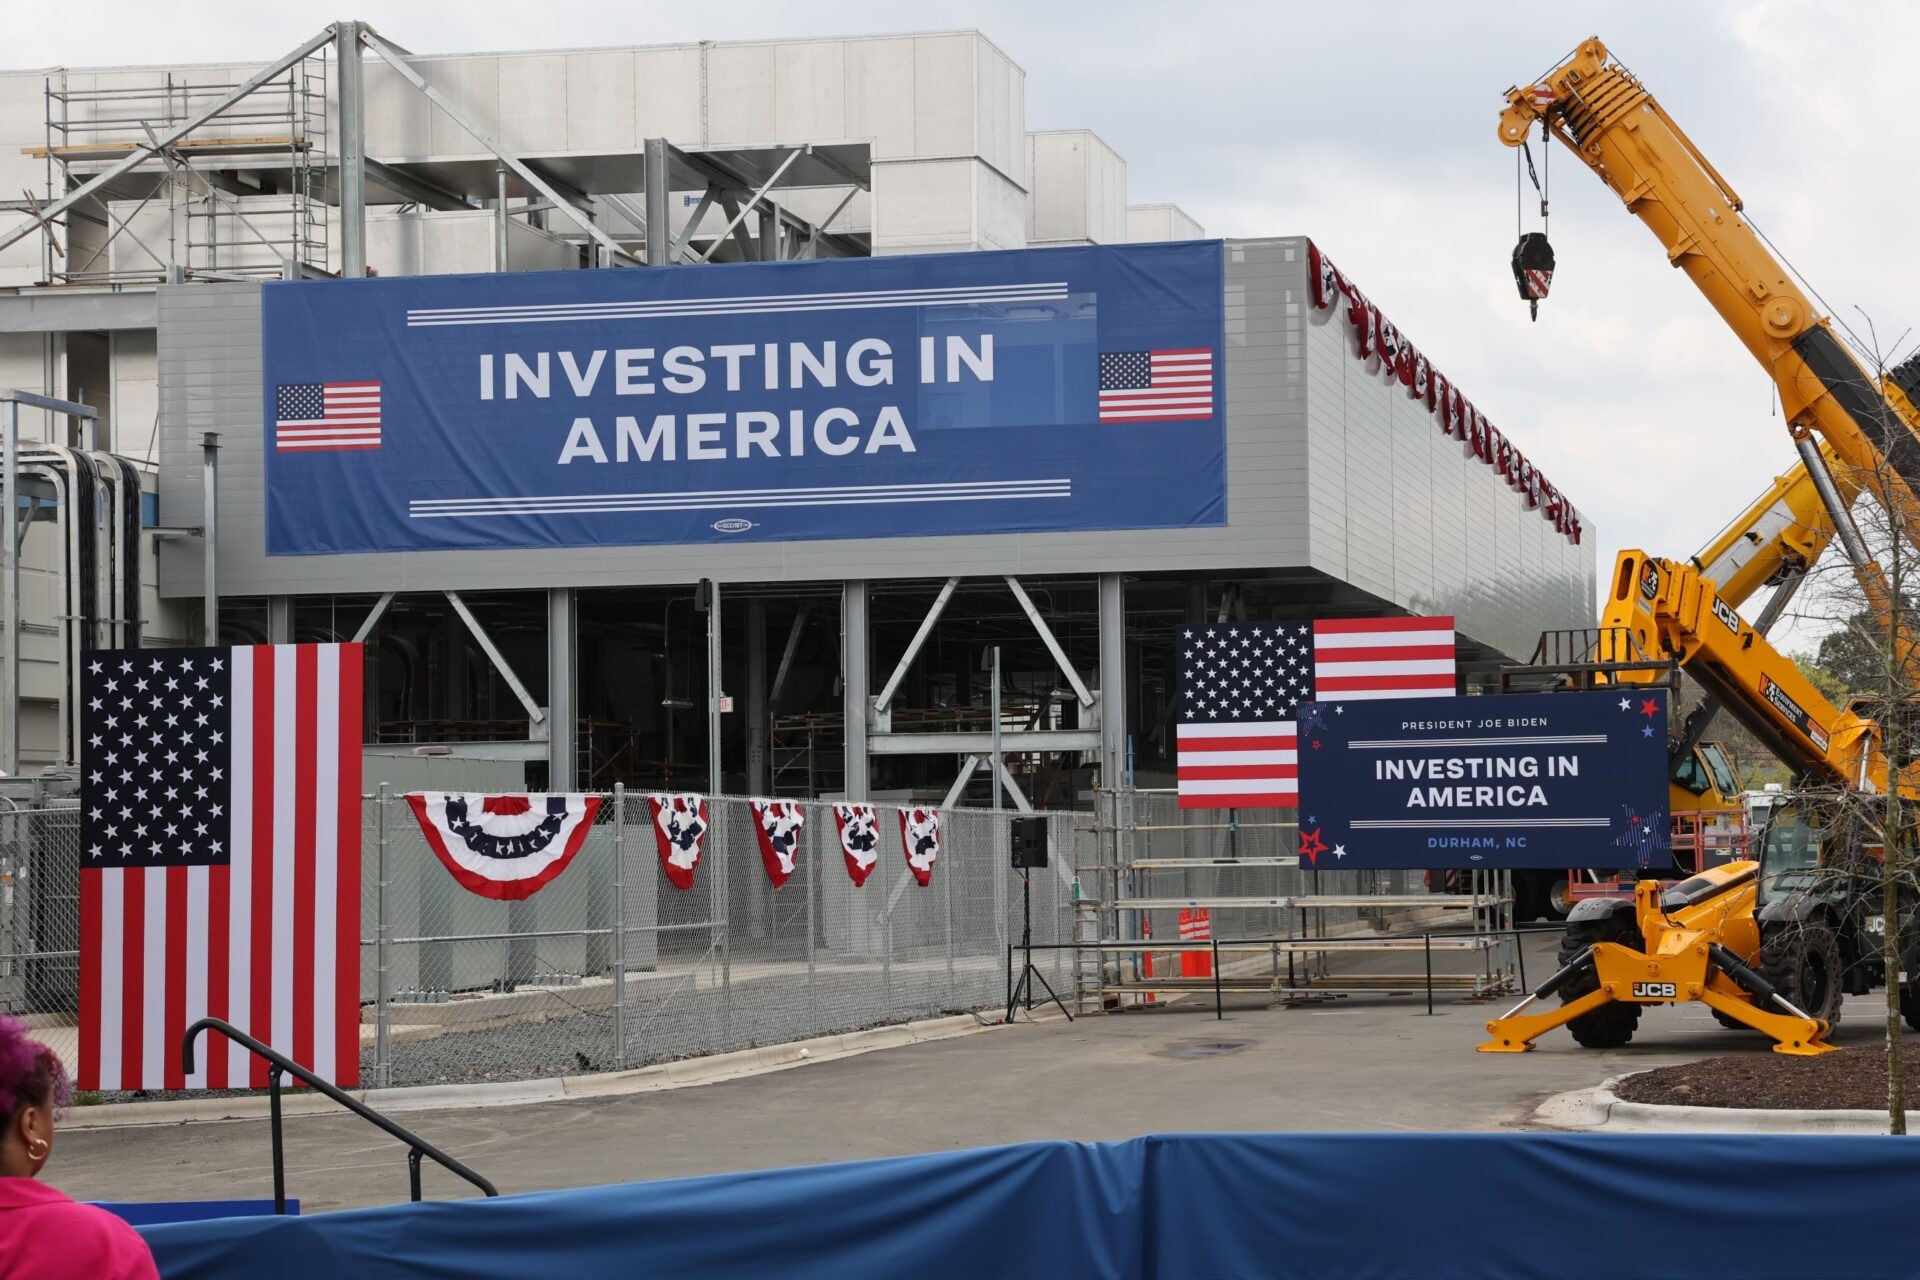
[(610, 966)]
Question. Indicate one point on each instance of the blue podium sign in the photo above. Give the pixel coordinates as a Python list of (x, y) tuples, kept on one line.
[(1533, 780)]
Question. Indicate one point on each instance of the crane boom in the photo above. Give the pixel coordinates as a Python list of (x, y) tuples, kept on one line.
[(1606, 117)]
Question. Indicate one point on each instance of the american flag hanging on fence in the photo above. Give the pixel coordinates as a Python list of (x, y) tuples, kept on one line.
[(220, 861), (1156, 386), (313, 417), (1240, 686)]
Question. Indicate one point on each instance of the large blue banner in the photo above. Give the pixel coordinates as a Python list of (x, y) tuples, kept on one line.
[(1036, 390), (1521, 780)]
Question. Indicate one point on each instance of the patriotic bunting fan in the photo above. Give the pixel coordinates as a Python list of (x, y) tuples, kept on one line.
[(679, 825), (859, 839), (777, 824), (506, 847), (920, 838)]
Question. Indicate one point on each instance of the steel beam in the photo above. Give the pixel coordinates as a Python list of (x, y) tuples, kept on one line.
[(685, 237), (786, 656), (353, 150), (954, 792), (1020, 800), (714, 692), (413, 187), (498, 659), (1053, 646), (660, 246), (914, 646), (1113, 680), (10, 591), (72, 307), (980, 742), (209, 536), (46, 213), (756, 717), (560, 717), (279, 619), (527, 174), (374, 615), (853, 678), (753, 202)]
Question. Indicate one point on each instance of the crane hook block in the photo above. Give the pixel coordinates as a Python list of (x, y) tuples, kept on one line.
[(1533, 268)]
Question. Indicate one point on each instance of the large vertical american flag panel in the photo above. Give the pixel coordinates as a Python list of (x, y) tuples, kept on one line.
[(1240, 686), (220, 861)]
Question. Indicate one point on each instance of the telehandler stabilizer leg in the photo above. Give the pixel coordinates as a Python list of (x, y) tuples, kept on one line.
[(1516, 1032), (1802, 1037)]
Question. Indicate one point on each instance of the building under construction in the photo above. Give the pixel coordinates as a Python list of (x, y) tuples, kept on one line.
[(150, 209)]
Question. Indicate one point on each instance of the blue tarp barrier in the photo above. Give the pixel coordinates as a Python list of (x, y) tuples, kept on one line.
[(1174, 1207), (151, 1213)]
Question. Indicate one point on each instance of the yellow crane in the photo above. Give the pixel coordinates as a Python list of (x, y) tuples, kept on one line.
[(1776, 960)]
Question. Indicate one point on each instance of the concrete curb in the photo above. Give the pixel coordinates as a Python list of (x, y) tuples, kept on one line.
[(1601, 1108), (686, 1073)]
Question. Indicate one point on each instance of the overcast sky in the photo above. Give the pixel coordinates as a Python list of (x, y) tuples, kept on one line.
[(1370, 128)]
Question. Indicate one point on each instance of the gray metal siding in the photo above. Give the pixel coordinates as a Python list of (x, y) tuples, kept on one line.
[(1368, 492)]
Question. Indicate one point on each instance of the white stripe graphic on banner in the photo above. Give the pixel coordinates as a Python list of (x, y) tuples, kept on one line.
[(196, 1003), (240, 875), (763, 304), (153, 978), (113, 907), (285, 783), (326, 856)]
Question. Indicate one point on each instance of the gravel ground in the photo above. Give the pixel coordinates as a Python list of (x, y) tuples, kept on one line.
[(1853, 1079)]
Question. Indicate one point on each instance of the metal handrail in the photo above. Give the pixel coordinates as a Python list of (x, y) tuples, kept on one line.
[(278, 1062)]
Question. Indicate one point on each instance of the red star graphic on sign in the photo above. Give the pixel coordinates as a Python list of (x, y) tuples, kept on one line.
[(1650, 708), (1312, 846), (1316, 744)]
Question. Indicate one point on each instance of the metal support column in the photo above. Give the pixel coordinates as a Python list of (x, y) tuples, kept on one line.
[(619, 957), (383, 954), (853, 675), (995, 763), (659, 220), (500, 217), (560, 677), (769, 233), (209, 535), (279, 619), (10, 589), (715, 784), (1113, 680), (353, 151), (756, 718)]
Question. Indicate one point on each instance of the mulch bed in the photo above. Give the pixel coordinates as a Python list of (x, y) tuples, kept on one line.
[(1854, 1079)]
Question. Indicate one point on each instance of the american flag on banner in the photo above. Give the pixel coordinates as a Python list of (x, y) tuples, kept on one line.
[(326, 416), (1240, 686), (220, 861), (1149, 386)]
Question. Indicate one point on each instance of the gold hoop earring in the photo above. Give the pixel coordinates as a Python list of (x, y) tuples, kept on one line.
[(37, 1149)]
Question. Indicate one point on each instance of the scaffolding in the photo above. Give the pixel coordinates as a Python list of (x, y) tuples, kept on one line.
[(241, 197)]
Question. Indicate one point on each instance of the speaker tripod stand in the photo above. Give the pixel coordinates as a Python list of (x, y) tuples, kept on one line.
[(1022, 993)]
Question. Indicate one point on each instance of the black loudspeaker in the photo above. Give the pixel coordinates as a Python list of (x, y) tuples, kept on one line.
[(1029, 843)]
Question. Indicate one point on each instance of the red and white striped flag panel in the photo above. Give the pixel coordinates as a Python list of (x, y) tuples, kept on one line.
[(1239, 688), (1383, 658), (248, 907)]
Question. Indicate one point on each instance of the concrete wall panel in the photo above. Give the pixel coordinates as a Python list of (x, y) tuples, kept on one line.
[(666, 94), (810, 91), (600, 101), (945, 123), (740, 94)]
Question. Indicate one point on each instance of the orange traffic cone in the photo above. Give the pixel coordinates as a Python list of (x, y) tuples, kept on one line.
[(1196, 926), (1146, 957)]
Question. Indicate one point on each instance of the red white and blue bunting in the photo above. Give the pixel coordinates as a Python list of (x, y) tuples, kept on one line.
[(505, 847), (1377, 339), (777, 825), (679, 826), (859, 829), (920, 840)]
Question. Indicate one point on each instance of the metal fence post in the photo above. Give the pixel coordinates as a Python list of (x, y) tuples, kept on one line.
[(946, 883), (725, 924), (813, 877), (619, 956), (383, 953)]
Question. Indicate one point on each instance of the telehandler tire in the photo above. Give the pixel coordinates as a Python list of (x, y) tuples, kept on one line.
[(1801, 960), (1611, 1025)]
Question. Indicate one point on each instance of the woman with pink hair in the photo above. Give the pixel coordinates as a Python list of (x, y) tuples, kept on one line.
[(44, 1235)]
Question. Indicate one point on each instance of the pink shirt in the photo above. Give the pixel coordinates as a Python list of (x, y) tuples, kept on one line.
[(44, 1235)]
